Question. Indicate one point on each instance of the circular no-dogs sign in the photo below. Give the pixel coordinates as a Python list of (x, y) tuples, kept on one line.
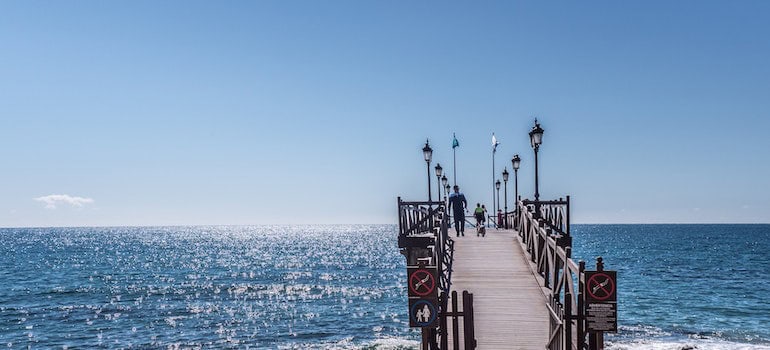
[(422, 282), (601, 286)]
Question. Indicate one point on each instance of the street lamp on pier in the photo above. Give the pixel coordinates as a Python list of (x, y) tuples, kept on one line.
[(497, 186), (536, 138), (516, 162), (427, 152), (444, 184), (439, 170), (505, 180)]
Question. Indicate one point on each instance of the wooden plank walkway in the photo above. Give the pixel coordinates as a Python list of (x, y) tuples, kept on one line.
[(509, 306)]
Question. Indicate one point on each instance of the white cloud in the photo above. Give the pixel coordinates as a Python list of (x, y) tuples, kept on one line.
[(52, 200)]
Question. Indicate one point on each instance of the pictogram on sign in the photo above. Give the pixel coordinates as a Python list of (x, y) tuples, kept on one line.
[(601, 286), (423, 313), (422, 282)]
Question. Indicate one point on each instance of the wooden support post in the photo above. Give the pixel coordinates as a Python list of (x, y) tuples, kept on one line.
[(455, 322), (596, 340), (568, 321), (469, 337), (442, 321), (581, 333)]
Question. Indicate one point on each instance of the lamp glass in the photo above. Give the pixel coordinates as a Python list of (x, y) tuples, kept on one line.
[(444, 181), (497, 184), (516, 162), (536, 135), (439, 170), (505, 175), (427, 152)]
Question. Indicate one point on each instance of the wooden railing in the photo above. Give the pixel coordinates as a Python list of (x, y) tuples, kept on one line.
[(544, 230), (423, 227), (424, 240)]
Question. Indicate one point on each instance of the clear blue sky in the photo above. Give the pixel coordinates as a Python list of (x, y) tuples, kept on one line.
[(262, 112)]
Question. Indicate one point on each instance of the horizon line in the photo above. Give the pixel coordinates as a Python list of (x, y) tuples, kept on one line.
[(364, 224)]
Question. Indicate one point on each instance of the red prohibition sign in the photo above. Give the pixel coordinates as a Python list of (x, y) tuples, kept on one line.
[(422, 282), (600, 286)]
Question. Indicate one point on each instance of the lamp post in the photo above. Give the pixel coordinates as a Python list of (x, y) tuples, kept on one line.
[(427, 152), (439, 170), (516, 162), (446, 187), (536, 138), (497, 187), (505, 180), (445, 184)]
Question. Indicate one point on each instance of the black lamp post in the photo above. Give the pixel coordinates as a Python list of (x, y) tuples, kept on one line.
[(505, 180), (446, 187), (439, 170), (427, 152), (516, 161), (497, 187), (536, 138), (444, 183)]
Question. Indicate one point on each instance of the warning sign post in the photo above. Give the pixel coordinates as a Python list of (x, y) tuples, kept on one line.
[(423, 281), (601, 307)]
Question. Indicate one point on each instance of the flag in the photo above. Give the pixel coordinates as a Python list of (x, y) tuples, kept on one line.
[(455, 143), (494, 143)]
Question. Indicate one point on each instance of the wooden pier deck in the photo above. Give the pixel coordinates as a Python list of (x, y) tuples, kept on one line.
[(509, 305)]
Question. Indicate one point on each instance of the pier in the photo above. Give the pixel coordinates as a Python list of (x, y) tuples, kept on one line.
[(495, 269), (516, 287)]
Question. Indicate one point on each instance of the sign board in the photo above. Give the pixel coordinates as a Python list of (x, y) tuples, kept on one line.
[(601, 286), (601, 307), (602, 317), (423, 282), (423, 313), (423, 285)]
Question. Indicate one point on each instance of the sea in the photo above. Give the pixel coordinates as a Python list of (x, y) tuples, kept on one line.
[(343, 286)]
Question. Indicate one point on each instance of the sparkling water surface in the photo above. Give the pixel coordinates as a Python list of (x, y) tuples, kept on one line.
[(264, 287), (685, 286), (343, 287)]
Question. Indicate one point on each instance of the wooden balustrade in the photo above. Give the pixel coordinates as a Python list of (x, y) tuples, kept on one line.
[(545, 234)]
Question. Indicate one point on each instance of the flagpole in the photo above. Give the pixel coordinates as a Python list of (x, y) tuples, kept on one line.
[(454, 166), (494, 209), (455, 144), (494, 150)]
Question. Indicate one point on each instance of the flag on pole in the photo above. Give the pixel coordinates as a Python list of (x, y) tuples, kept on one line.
[(455, 143), (494, 143)]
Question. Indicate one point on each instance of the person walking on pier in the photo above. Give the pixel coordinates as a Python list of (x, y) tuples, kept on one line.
[(458, 205), (478, 213)]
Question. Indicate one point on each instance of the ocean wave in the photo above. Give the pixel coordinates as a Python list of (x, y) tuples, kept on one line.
[(684, 344), (388, 343)]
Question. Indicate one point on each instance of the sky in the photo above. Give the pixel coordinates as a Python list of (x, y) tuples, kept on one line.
[(315, 112)]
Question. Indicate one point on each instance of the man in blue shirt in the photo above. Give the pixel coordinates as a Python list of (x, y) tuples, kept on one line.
[(458, 205)]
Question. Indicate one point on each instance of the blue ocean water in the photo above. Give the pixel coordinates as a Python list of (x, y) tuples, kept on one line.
[(343, 287), (685, 286), (226, 287)]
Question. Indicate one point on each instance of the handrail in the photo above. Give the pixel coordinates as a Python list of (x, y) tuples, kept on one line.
[(424, 226), (544, 232)]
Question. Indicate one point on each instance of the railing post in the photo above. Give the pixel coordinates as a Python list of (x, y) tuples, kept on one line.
[(568, 229), (469, 334), (442, 321), (567, 320), (455, 322), (581, 334), (596, 340)]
